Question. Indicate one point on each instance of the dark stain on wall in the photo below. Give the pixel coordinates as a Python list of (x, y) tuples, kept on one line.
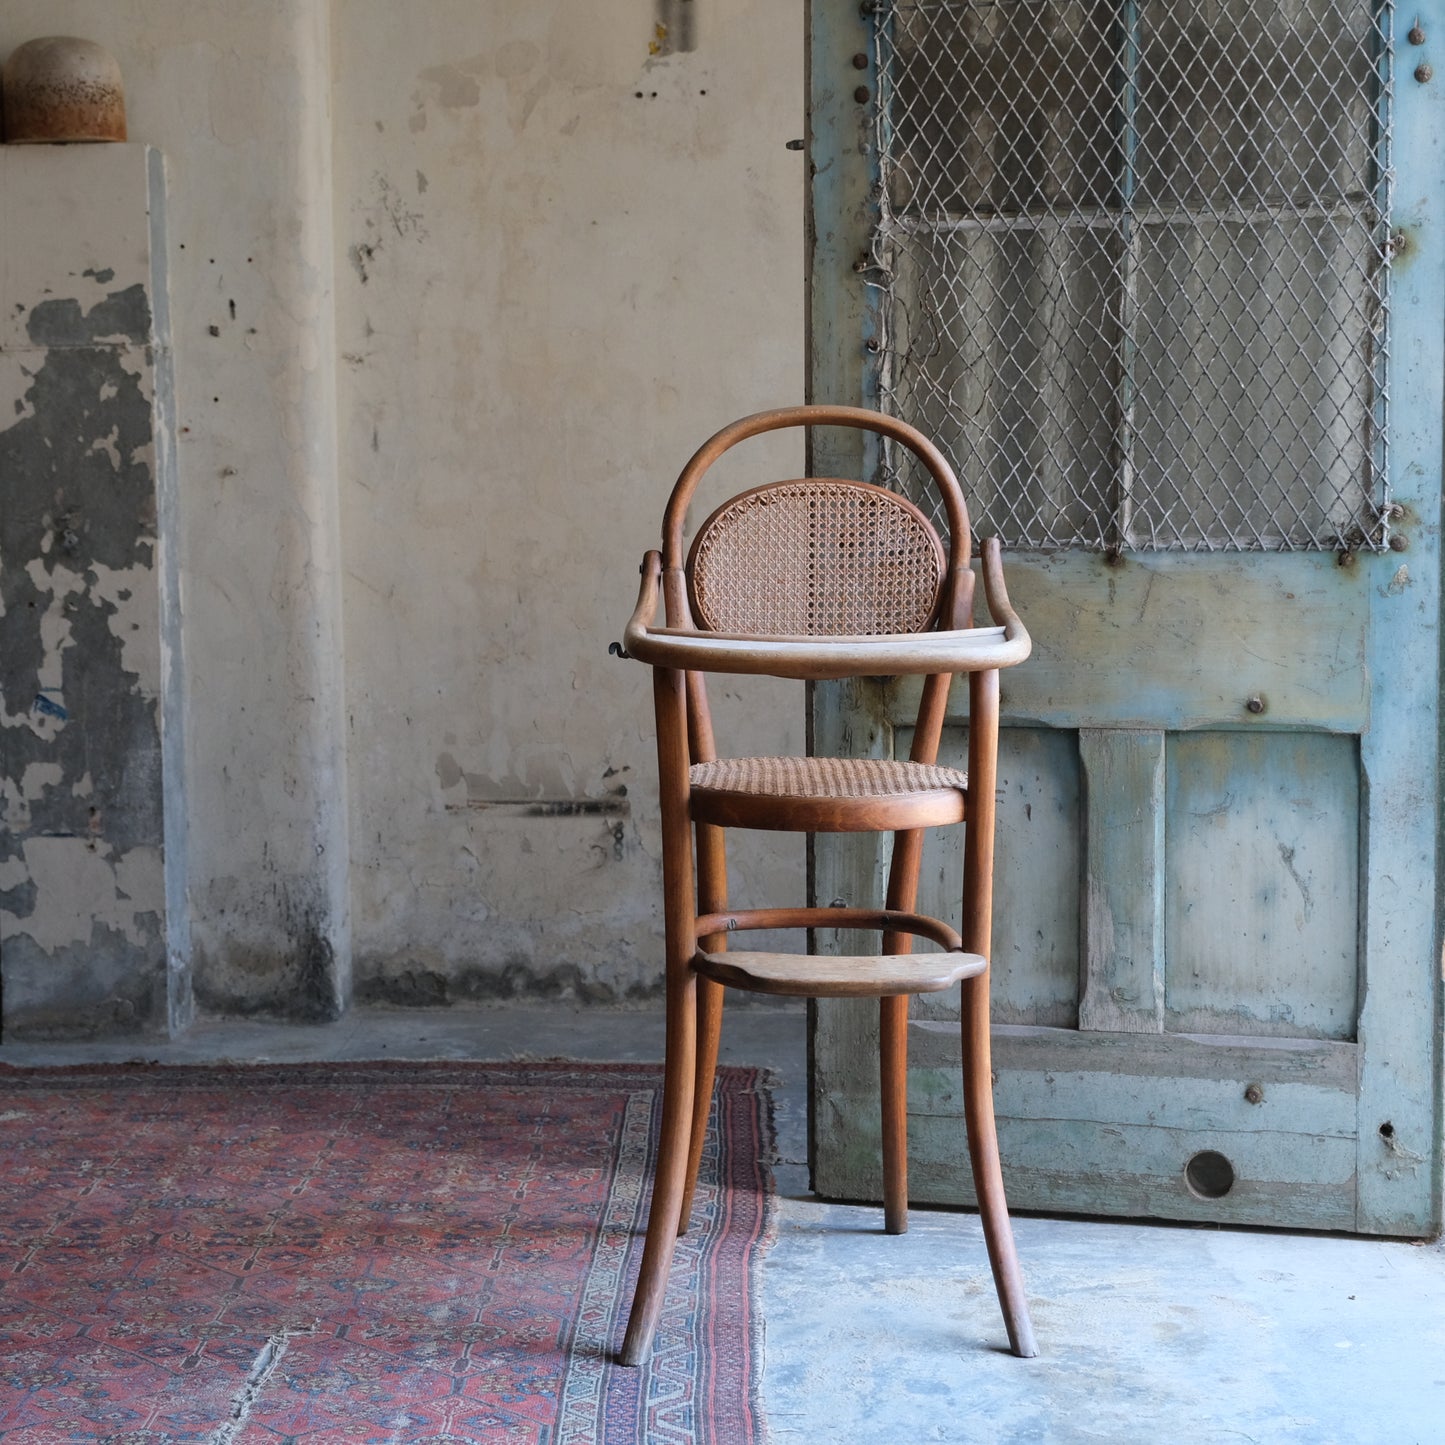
[(295, 980), (77, 492), (413, 985)]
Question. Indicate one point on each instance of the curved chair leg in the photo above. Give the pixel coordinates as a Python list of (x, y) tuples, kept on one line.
[(977, 1048), (987, 1174), (712, 887), (670, 1181), (710, 996), (893, 1040)]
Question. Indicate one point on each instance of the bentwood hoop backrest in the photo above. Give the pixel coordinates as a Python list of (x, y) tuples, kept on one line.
[(819, 556)]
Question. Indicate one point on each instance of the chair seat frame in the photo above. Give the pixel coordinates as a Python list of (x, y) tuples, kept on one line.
[(698, 921)]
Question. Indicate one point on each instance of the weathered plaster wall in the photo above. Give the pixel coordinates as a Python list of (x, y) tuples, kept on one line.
[(562, 263), (83, 911), (467, 284), (236, 96)]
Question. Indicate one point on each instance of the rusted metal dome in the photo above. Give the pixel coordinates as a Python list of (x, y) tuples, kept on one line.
[(61, 88)]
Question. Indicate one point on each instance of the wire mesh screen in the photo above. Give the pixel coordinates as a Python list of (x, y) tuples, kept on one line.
[(1134, 257)]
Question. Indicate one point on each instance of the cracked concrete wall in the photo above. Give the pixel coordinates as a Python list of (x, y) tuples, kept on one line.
[(457, 289)]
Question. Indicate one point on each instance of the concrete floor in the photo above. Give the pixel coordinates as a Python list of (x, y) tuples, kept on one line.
[(1149, 1333)]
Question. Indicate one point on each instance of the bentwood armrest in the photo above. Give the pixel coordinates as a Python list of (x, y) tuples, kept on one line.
[(972, 649)]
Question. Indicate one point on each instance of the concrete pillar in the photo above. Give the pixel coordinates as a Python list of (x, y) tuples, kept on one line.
[(268, 773)]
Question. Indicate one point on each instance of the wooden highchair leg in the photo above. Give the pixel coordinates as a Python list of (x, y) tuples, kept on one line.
[(893, 1078), (670, 1180), (893, 1039), (978, 850), (710, 995), (680, 915), (987, 1173), (712, 888)]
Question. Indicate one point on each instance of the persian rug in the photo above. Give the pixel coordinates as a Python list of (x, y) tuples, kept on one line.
[(366, 1253)]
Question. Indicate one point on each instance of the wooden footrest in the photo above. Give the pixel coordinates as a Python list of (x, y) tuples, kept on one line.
[(842, 976)]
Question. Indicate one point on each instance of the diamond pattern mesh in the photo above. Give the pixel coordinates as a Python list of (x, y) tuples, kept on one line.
[(1134, 263)]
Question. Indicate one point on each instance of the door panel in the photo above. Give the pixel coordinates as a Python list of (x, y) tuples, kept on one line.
[(1261, 917), (1036, 937), (1182, 642), (1165, 282)]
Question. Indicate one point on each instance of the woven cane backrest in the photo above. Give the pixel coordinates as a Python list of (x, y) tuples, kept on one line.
[(816, 558)]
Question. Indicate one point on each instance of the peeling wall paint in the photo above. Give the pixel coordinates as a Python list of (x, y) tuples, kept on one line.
[(83, 906), (237, 98)]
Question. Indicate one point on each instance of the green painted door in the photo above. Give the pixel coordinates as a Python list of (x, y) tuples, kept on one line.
[(1164, 278)]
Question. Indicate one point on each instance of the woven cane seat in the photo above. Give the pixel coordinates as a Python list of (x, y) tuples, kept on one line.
[(819, 795), (824, 777)]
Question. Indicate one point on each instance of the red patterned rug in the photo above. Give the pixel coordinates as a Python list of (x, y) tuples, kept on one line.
[(367, 1252)]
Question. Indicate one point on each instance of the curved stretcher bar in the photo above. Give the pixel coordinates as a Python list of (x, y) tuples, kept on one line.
[(885, 920)]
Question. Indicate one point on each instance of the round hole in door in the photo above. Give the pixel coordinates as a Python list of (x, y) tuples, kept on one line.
[(1209, 1175)]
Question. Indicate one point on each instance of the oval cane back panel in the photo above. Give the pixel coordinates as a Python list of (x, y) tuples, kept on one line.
[(816, 559)]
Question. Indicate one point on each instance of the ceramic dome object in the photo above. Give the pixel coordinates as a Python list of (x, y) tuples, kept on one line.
[(61, 88)]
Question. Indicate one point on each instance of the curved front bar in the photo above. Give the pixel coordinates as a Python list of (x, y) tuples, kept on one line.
[(973, 649)]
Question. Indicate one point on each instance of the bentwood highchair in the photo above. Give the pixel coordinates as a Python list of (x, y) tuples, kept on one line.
[(821, 578)]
